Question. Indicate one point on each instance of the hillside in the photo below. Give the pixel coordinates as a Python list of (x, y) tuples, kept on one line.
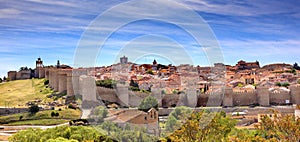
[(19, 92)]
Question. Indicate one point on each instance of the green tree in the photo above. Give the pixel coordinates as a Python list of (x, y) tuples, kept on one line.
[(280, 127), (108, 83), (148, 103), (204, 126), (278, 84), (33, 109), (61, 133), (61, 139), (129, 134), (240, 85), (286, 84), (1, 80), (295, 66), (150, 72), (100, 113), (134, 86), (46, 82)]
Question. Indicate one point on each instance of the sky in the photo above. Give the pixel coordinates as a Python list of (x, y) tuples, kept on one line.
[(101, 31)]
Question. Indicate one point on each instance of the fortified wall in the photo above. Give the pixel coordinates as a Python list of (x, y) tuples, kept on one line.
[(76, 82)]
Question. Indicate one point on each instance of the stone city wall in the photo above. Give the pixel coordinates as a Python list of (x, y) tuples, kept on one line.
[(69, 80)]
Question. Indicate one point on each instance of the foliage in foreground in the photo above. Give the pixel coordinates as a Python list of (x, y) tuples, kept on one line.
[(199, 127), (62, 133), (219, 128), (203, 126), (277, 128), (128, 134)]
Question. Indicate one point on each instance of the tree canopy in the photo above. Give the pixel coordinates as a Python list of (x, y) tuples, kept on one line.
[(148, 103)]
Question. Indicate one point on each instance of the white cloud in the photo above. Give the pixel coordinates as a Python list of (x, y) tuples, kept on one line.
[(9, 13)]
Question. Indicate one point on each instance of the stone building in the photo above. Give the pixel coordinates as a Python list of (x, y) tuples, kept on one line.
[(135, 118), (243, 65), (123, 60), (25, 73), (39, 71)]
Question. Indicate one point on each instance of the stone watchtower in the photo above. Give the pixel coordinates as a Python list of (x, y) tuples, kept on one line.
[(39, 69)]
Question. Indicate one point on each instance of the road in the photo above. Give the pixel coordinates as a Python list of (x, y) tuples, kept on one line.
[(9, 130)]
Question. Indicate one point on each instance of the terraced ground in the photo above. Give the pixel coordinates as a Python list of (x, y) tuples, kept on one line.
[(41, 117)]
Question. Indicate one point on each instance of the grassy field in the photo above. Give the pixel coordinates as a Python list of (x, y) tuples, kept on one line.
[(19, 92), (41, 118)]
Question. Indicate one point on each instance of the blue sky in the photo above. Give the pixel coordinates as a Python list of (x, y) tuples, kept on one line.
[(263, 30)]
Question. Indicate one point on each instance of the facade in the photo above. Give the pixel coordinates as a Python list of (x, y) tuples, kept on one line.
[(12, 75), (242, 65), (25, 73), (135, 118)]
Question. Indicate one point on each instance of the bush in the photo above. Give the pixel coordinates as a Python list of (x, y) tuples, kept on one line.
[(52, 114), (46, 82), (278, 84), (34, 109), (71, 106), (108, 83), (150, 72), (21, 117)]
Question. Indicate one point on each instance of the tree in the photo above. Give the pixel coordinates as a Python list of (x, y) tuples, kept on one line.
[(108, 83), (204, 126), (1, 80), (4, 78), (46, 82), (150, 72), (280, 127), (286, 84), (148, 103), (295, 66), (278, 84), (134, 86), (60, 133), (100, 113), (177, 117), (33, 109), (127, 134), (240, 85)]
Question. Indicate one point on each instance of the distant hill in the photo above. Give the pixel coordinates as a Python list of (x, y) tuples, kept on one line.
[(19, 92)]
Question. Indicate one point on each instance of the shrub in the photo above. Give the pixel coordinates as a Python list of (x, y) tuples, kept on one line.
[(286, 84), (108, 83), (34, 109), (46, 82), (150, 72), (52, 114), (278, 84), (21, 117), (71, 106)]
